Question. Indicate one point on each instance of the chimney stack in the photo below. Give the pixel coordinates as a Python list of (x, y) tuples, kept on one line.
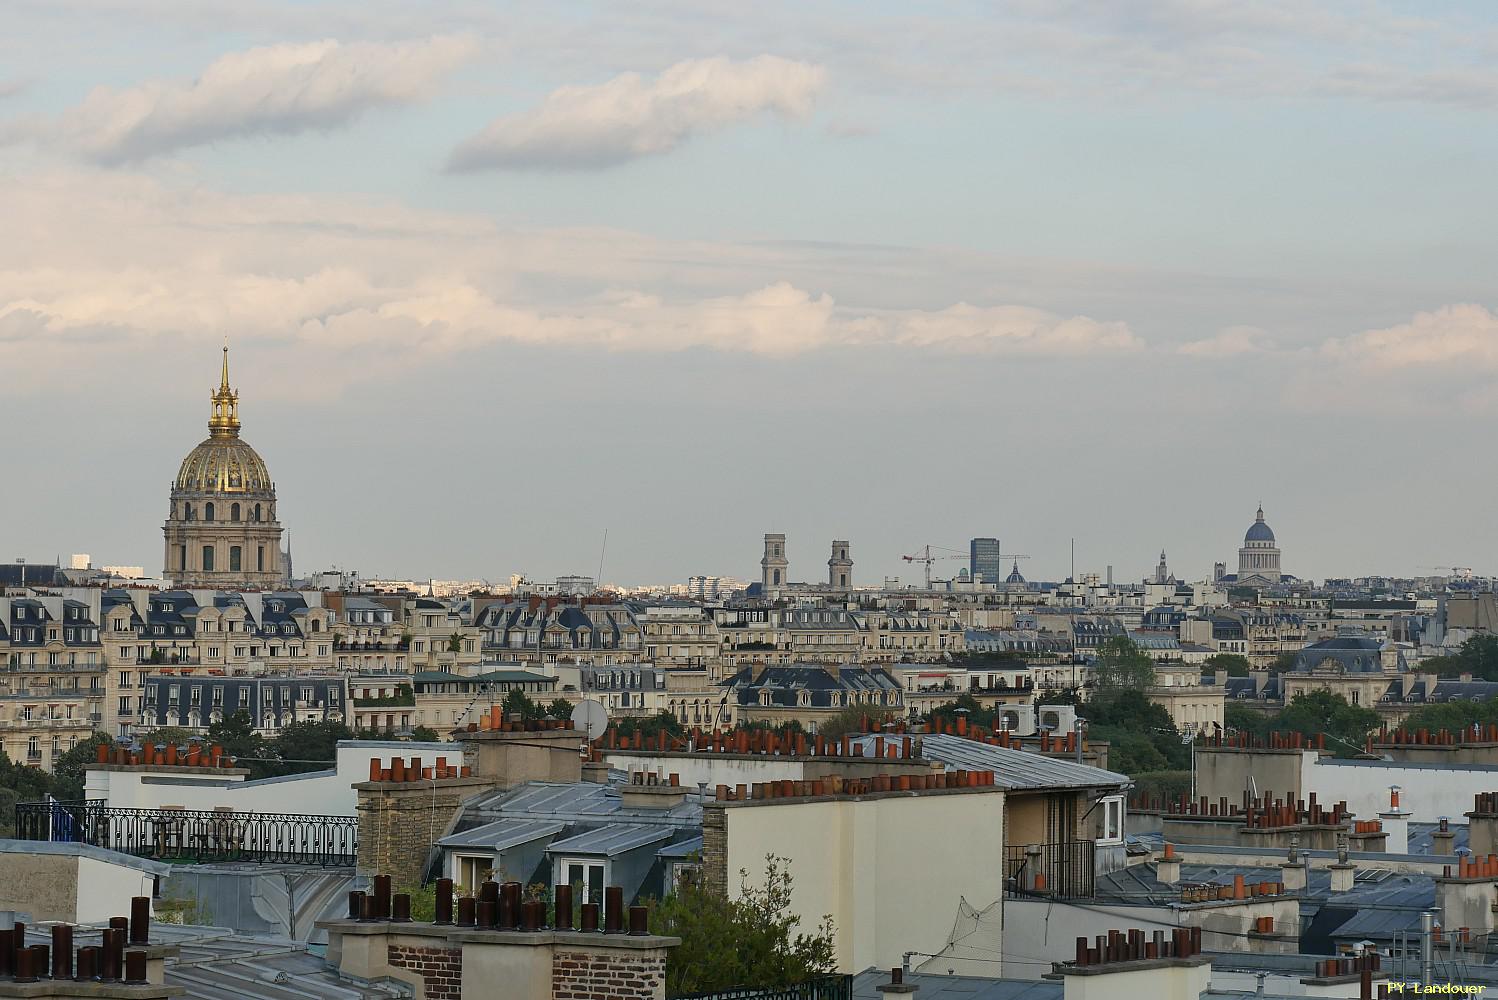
[(1168, 866), (1343, 872)]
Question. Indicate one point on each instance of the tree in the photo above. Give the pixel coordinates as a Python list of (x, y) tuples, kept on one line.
[(1243, 719), (67, 769), (166, 735), (455, 642), (1141, 735), (1315, 712), (1121, 666), (851, 720), (560, 708), (754, 940), (1478, 656), (236, 734), (516, 703), (650, 725), (422, 734), (307, 746), (1233, 663), (1282, 664)]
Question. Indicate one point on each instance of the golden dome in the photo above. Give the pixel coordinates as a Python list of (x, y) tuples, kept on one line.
[(223, 463)]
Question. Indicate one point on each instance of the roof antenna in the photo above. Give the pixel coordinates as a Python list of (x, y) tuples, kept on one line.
[(598, 580)]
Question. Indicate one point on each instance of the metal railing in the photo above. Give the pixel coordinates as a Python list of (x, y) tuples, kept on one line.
[(822, 988), (195, 835), (1067, 867)]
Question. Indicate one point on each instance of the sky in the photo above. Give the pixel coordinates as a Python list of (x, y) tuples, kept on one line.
[(500, 278)]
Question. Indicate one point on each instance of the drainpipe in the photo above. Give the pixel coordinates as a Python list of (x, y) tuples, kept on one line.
[(1427, 933)]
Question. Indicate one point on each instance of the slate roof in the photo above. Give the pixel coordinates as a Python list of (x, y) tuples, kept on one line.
[(1015, 769), (786, 683)]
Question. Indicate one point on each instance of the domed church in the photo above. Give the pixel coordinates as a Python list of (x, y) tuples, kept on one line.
[(1258, 559), (221, 531)]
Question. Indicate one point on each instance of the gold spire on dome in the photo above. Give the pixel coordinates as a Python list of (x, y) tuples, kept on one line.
[(224, 421)]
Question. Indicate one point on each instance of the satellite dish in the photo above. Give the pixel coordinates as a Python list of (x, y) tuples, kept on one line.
[(591, 717)]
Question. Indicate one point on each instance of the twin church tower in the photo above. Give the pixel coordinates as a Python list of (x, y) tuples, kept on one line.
[(221, 530)]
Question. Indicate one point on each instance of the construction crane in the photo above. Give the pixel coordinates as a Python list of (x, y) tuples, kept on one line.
[(925, 557)]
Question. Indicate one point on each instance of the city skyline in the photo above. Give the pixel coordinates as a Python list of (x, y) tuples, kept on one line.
[(500, 279)]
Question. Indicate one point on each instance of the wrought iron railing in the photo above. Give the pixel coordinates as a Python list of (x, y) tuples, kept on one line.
[(1066, 869), (822, 988), (195, 835)]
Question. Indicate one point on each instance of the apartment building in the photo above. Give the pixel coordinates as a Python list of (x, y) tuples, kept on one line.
[(52, 677), (540, 631)]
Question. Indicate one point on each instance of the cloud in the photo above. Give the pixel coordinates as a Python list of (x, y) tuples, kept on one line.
[(1235, 341), (631, 117), (119, 261), (13, 88), (275, 89), (1462, 336)]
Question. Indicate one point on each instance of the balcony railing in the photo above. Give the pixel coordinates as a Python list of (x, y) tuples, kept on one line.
[(1064, 870), (821, 988), (193, 835)]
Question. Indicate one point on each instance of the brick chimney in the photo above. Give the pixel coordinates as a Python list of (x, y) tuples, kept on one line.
[(648, 790), (503, 942), (1131, 964), (756, 671)]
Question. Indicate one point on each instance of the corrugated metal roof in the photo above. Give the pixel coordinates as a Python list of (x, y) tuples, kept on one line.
[(502, 834), (611, 841), (1012, 768)]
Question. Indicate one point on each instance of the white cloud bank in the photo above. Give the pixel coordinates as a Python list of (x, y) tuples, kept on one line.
[(275, 89), (1233, 342), (105, 257), (1461, 336), (630, 117)]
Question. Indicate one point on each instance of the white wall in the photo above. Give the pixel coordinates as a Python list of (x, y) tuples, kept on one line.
[(870, 864), (105, 890), (1428, 792), (714, 769), (321, 794)]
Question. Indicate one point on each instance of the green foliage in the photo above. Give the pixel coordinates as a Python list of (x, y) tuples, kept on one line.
[(751, 941), (1233, 663), (1121, 666), (236, 734), (1166, 785), (851, 720), (1282, 664), (516, 703), (303, 746), (1244, 719), (8, 799), (455, 642), (650, 725), (424, 734), (1315, 712), (67, 770), (404, 697), (788, 728), (1453, 715), (1141, 735), (1478, 657), (560, 708)]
